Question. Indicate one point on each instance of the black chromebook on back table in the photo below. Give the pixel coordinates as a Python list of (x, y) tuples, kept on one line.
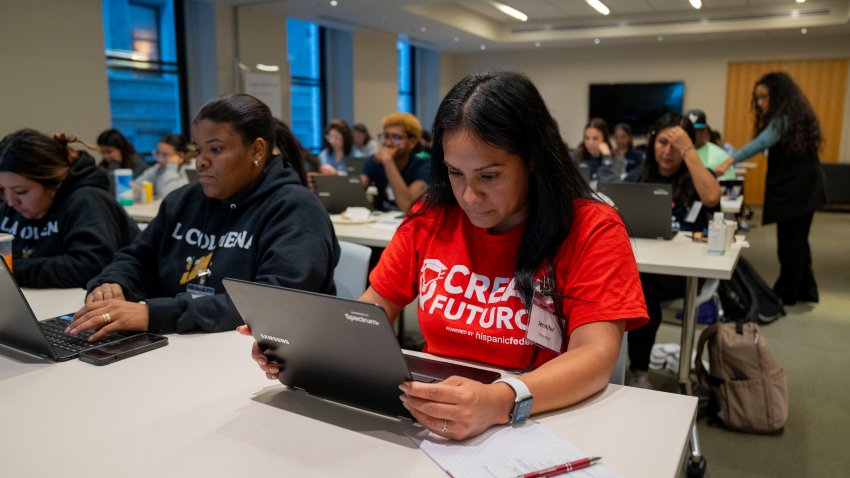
[(21, 330), (336, 349), (646, 208)]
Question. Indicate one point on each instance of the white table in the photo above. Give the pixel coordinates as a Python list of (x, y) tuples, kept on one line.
[(144, 212), (199, 407), (731, 205)]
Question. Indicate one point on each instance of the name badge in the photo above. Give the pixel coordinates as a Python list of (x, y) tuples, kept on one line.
[(197, 290), (694, 212), (544, 326)]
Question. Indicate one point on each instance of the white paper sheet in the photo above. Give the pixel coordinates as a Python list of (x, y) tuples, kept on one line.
[(507, 452)]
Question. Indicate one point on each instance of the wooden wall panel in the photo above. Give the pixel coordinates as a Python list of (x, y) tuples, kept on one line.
[(824, 82)]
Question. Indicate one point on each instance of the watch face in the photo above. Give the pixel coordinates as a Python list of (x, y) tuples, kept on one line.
[(522, 410)]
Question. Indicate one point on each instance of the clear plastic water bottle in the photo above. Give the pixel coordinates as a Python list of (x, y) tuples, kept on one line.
[(717, 235)]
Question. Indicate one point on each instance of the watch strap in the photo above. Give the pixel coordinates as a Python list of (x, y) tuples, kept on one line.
[(520, 388)]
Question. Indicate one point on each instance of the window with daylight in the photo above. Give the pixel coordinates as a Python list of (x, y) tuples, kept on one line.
[(305, 49), (142, 69), (406, 85)]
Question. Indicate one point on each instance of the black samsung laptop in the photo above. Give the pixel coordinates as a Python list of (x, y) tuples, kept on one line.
[(21, 330), (336, 349), (354, 165), (646, 208), (339, 192)]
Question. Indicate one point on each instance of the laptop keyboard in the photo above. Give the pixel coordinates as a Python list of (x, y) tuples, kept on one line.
[(54, 330)]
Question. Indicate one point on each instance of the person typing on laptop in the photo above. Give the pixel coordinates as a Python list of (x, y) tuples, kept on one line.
[(671, 158), (57, 204), (509, 215), (248, 217)]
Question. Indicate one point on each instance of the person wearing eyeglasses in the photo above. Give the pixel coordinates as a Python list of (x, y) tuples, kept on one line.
[(173, 154), (400, 169), (338, 147)]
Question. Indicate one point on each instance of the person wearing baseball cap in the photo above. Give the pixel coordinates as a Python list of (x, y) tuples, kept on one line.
[(713, 157)]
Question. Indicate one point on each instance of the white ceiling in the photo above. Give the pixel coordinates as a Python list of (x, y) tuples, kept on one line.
[(467, 25)]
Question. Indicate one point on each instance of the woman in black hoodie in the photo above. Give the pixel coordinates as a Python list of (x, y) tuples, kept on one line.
[(57, 205), (248, 217)]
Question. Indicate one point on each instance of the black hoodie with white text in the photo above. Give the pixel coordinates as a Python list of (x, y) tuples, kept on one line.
[(77, 237), (275, 231)]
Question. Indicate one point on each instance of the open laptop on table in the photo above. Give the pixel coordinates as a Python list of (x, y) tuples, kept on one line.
[(340, 192), (646, 208), (354, 165), (336, 349), (21, 330)]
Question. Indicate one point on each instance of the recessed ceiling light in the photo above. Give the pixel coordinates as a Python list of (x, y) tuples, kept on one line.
[(598, 6), (696, 3), (596, 41), (795, 13), (537, 44), (483, 46), (660, 38), (456, 39), (510, 11), (804, 30), (334, 3), (270, 68), (801, 1), (423, 29)]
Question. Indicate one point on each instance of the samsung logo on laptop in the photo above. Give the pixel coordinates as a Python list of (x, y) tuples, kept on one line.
[(275, 339), (355, 317), (661, 192)]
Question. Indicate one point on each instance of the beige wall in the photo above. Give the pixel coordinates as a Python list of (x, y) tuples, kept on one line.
[(563, 75), (53, 67), (375, 78)]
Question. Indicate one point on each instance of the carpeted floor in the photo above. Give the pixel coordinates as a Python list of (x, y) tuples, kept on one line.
[(812, 343)]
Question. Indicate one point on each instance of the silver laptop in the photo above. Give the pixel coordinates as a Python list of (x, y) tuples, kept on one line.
[(339, 192), (336, 349), (646, 208), (21, 330)]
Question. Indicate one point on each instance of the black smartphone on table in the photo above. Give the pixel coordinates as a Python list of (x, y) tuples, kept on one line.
[(121, 349)]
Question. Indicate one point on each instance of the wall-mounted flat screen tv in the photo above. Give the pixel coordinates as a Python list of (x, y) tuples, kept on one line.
[(637, 104)]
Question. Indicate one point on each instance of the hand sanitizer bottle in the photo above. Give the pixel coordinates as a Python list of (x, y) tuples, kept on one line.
[(717, 235)]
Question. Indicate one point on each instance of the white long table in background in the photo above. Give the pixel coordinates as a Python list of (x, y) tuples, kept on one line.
[(143, 212), (200, 407)]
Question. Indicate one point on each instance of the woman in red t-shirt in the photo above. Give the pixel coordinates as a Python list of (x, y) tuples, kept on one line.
[(507, 211)]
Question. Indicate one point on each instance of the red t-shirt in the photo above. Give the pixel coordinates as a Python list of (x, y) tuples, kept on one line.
[(463, 275)]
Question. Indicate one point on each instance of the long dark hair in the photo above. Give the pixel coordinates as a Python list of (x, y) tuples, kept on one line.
[(598, 124), (114, 139), (505, 110), (802, 134), (251, 119), (37, 157), (181, 145), (683, 186), (291, 149), (347, 139)]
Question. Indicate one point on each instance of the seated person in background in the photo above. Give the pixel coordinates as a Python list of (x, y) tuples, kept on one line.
[(57, 204), (717, 139), (671, 159), (363, 144), (508, 211), (594, 153), (248, 217), (338, 146), (400, 170), (173, 154), (625, 149), (712, 156), (117, 153)]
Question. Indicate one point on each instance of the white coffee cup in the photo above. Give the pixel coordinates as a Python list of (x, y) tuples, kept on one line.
[(356, 213)]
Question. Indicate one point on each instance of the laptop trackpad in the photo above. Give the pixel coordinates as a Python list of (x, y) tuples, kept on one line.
[(429, 371)]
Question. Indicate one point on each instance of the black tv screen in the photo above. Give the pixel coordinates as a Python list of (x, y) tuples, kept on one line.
[(637, 104)]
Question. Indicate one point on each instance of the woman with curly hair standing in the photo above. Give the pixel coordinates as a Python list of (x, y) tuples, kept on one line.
[(786, 125)]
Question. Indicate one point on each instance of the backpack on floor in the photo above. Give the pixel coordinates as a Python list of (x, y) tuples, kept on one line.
[(746, 296), (749, 392)]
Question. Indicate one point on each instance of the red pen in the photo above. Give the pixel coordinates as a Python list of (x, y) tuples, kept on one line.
[(564, 468)]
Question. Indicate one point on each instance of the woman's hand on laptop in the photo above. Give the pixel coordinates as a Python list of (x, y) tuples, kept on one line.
[(107, 316), (457, 407), (106, 291), (271, 370)]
